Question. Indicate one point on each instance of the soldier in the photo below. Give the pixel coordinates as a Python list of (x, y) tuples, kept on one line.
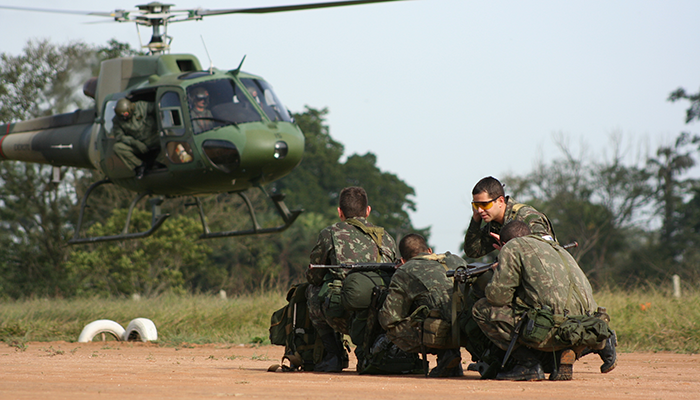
[(202, 118), (495, 209), (533, 273), (352, 240), (420, 283), (134, 127), (492, 209)]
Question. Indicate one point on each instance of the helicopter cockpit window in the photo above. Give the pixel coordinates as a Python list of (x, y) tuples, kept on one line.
[(170, 114), (218, 103), (267, 99)]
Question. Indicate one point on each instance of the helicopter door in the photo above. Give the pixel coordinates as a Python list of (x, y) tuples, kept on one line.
[(112, 165), (146, 131), (174, 137)]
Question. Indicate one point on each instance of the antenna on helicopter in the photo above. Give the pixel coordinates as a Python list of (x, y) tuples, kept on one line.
[(211, 63), (237, 70)]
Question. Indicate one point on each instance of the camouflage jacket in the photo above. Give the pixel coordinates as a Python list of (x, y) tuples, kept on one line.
[(344, 243), (201, 120), (419, 282), (533, 273), (478, 242), (141, 126)]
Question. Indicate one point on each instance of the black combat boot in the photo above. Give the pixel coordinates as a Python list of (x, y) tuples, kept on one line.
[(608, 353), (140, 170), (449, 364), (333, 360), (527, 367)]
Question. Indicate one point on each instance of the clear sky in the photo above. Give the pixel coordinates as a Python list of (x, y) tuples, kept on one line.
[(444, 92)]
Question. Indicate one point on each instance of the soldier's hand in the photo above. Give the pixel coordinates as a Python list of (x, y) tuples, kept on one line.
[(498, 243), (140, 146), (475, 215)]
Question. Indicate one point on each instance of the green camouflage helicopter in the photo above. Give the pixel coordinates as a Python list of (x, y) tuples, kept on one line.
[(246, 139)]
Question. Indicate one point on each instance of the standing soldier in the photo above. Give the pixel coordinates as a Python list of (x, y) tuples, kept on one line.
[(352, 240)]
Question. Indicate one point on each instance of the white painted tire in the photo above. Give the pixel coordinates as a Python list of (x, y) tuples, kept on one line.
[(142, 329), (95, 328)]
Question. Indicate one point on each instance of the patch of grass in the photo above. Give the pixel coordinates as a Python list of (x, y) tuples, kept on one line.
[(181, 320), (651, 319), (646, 319)]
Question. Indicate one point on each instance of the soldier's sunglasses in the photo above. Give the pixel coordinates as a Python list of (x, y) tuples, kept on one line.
[(484, 205)]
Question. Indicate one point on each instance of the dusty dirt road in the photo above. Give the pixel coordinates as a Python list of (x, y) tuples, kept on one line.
[(121, 370)]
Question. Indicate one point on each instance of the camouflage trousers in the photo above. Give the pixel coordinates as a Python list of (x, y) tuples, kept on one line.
[(498, 323), (406, 336), (318, 308)]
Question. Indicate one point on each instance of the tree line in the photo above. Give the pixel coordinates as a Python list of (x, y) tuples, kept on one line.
[(637, 221)]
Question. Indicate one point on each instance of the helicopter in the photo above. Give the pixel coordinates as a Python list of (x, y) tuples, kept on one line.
[(245, 140)]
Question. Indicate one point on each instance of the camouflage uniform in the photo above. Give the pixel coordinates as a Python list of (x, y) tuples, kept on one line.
[(350, 241), (137, 135), (532, 273), (478, 242), (419, 283), (201, 120)]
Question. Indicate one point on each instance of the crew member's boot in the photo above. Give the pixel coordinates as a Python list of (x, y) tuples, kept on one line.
[(140, 170), (333, 359), (527, 367)]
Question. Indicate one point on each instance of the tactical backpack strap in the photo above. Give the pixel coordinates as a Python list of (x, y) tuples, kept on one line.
[(376, 233), (457, 299)]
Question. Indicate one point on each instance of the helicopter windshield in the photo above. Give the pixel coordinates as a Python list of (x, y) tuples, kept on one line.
[(218, 103), (267, 99)]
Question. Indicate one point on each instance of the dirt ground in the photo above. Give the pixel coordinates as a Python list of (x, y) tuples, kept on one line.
[(111, 370)]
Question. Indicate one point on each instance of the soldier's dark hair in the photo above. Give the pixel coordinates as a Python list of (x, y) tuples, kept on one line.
[(490, 185), (353, 202), (411, 245), (514, 229)]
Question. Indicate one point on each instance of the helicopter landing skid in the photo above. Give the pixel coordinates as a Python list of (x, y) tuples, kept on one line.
[(156, 220), (277, 199)]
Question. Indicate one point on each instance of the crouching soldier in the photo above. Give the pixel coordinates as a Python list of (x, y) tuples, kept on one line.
[(420, 291), (539, 305), (352, 240)]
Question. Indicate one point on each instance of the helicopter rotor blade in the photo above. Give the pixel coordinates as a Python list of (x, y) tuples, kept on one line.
[(112, 14), (296, 7)]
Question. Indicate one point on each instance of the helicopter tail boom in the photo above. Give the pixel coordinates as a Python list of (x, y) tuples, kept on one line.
[(61, 140)]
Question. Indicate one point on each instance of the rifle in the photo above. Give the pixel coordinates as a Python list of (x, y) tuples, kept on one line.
[(462, 275), (358, 266)]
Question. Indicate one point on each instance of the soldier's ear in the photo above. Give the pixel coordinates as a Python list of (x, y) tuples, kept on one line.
[(341, 215), (369, 210)]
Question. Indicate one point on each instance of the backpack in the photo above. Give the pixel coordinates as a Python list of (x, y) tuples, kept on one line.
[(291, 327)]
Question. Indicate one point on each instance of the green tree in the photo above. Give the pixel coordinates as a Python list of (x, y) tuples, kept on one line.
[(166, 261), (594, 203), (668, 166), (37, 214), (316, 183)]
